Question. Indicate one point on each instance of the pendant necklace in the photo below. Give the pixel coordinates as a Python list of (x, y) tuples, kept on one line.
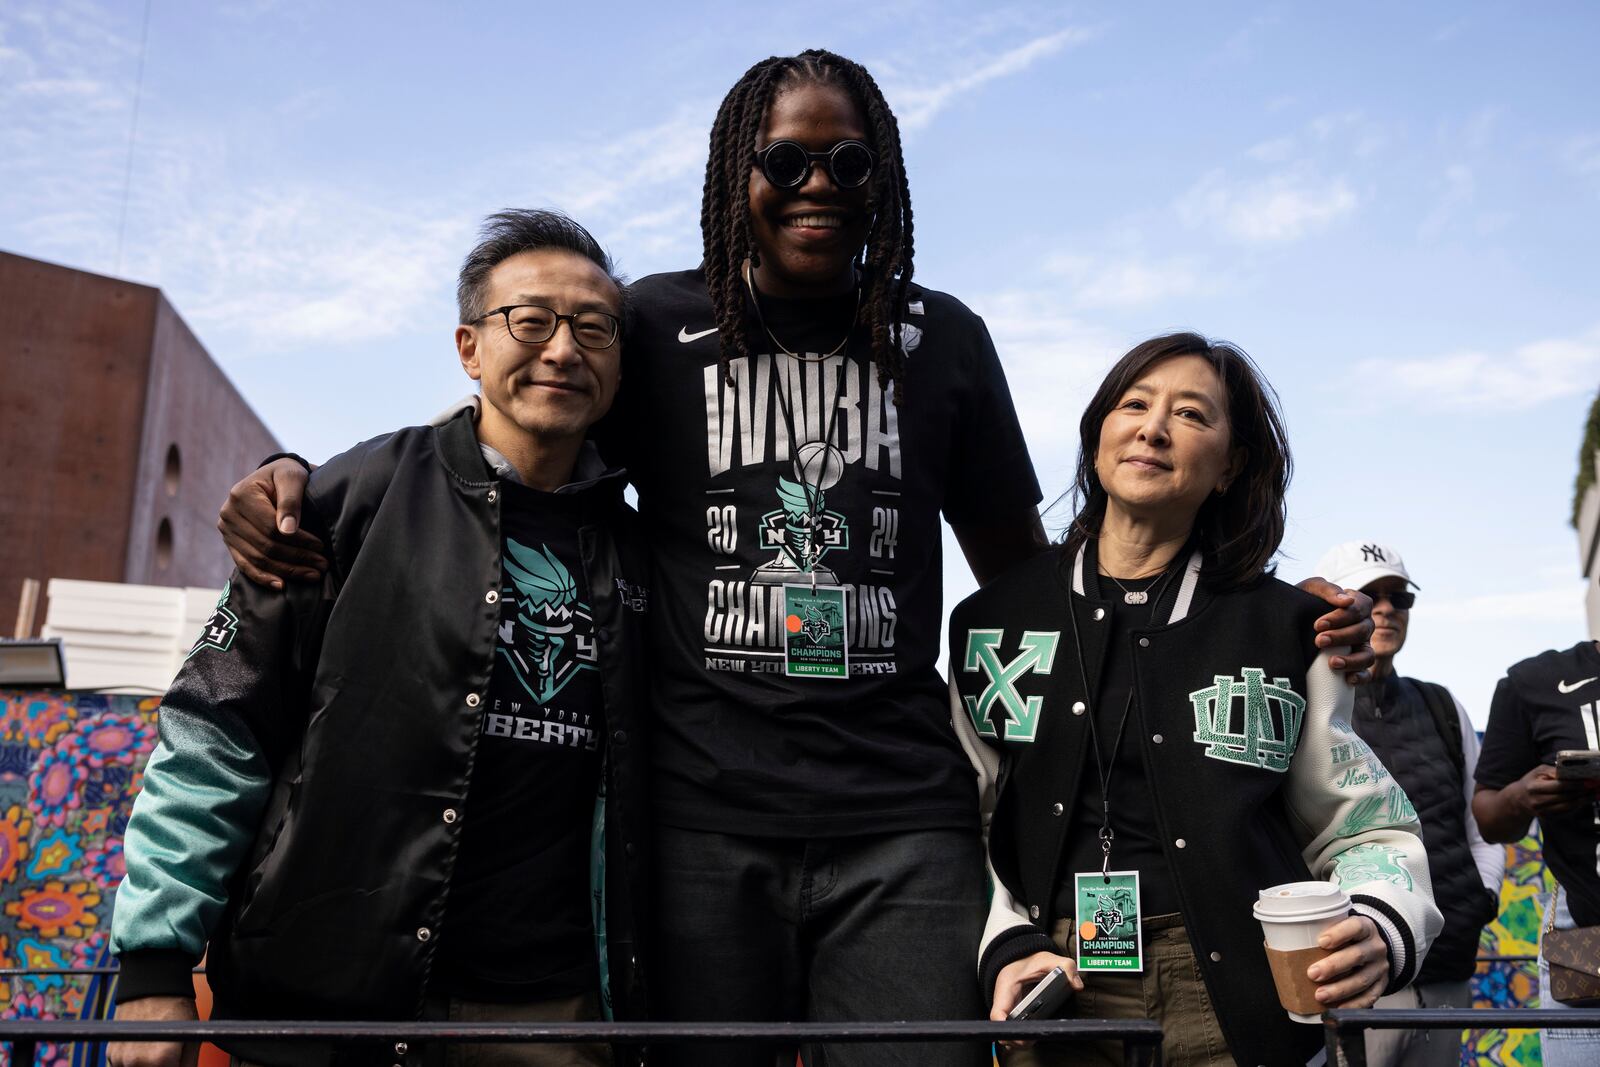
[(755, 298), (1131, 596)]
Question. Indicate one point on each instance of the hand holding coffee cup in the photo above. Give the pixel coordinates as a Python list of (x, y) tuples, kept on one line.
[(1321, 955)]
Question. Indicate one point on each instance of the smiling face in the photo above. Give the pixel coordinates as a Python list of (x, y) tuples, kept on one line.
[(809, 236), (1166, 444), (549, 392), (1389, 623)]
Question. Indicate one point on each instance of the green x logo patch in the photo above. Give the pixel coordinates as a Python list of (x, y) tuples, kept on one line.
[(1022, 714)]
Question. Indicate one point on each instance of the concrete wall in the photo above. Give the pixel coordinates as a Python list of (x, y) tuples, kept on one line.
[(100, 381)]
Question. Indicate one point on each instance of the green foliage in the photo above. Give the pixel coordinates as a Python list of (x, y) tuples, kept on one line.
[(1586, 458)]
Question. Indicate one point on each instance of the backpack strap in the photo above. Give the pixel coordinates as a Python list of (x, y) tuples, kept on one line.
[(1443, 708)]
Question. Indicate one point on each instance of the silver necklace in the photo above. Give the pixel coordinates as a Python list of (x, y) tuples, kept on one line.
[(750, 283), (1131, 596)]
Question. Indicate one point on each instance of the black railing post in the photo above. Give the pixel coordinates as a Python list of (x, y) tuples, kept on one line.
[(23, 1051), (1138, 1052)]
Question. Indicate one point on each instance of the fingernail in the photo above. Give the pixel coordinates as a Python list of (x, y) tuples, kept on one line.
[(287, 524)]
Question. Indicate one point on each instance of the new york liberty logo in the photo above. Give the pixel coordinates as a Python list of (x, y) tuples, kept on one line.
[(550, 637), (1037, 656), (219, 630), (802, 530), (1264, 739)]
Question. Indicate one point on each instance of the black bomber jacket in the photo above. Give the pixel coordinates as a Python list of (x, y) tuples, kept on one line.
[(300, 811)]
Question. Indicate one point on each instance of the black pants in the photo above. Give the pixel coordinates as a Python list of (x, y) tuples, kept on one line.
[(857, 929)]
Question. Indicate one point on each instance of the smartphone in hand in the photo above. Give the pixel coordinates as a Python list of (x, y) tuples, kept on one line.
[(1045, 998)]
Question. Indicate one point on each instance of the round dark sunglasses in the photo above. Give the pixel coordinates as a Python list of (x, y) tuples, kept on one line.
[(1401, 601), (787, 164)]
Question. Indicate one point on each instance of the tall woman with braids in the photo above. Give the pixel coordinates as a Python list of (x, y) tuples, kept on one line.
[(797, 415), (808, 415)]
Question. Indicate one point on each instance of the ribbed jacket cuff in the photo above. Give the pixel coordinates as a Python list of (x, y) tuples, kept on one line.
[(155, 973), (1402, 954), (1008, 947)]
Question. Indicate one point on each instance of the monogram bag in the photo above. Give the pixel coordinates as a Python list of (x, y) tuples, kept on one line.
[(1573, 957)]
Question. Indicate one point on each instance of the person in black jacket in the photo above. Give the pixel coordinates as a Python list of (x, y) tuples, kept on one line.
[(1158, 737), (1423, 735), (375, 797)]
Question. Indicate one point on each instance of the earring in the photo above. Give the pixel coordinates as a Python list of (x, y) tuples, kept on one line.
[(754, 256)]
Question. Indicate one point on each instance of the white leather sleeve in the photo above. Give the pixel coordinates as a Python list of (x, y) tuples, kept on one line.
[(1005, 912), (1356, 825)]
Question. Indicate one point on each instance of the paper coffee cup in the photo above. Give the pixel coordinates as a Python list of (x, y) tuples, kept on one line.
[(1293, 916)]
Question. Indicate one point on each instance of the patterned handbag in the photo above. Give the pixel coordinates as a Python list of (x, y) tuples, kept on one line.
[(1574, 960)]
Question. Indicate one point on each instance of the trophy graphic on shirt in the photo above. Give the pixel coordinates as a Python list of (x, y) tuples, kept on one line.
[(802, 530)]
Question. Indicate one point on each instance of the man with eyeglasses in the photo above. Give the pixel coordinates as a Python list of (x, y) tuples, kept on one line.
[(398, 793), (1424, 738)]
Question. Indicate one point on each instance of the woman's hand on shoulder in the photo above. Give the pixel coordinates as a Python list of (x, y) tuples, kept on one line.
[(1349, 624), (1357, 972), (1015, 979)]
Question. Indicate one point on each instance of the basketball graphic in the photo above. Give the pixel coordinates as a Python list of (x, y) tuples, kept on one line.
[(819, 465), (793, 624)]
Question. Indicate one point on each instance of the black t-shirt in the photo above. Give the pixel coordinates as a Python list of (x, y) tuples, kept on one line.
[(517, 925), (1136, 845), (740, 747), (1542, 706)]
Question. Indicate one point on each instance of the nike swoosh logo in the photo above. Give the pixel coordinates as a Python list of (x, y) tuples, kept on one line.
[(684, 336), (1564, 688)]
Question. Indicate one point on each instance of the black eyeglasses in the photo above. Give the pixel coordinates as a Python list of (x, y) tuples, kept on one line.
[(1401, 601), (787, 164), (534, 324)]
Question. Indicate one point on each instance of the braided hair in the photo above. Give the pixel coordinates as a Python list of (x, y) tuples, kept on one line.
[(725, 207)]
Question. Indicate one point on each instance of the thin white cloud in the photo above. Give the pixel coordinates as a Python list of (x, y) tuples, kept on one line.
[(917, 105), (1053, 361), (1457, 189), (1129, 281), (1557, 602), (1525, 377), (1279, 207)]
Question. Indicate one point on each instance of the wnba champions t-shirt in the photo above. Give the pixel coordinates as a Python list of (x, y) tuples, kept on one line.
[(800, 470)]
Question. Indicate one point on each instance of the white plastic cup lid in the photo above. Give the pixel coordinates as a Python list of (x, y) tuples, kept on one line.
[(1299, 901)]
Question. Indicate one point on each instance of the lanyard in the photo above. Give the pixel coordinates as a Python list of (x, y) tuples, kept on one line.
[(813, 489), (1106, 767)]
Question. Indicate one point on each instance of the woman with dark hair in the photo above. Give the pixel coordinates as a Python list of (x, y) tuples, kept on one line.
[(1158, 738)]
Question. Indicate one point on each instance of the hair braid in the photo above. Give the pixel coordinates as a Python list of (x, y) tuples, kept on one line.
[(725, 207)]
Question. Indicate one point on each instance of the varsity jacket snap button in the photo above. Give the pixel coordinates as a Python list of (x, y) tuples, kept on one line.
[(492, 597), (493, 496), (1144, 642), (620, 737), (1181, 843), (1057, 808), (423, 933), (630, 849), (450, 815), (473, 700), (1099, 613), (401, 1048), (1033, 912), (1078, 707), (1157, 739), (1216, 957)]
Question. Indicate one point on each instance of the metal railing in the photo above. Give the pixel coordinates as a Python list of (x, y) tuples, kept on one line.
[(1140, 1038), (1345, 1028)]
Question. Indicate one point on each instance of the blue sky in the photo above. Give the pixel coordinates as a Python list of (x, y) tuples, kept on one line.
[(1392, 207)]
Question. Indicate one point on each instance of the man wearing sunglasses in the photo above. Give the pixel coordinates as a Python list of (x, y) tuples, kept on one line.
[(402, 791), (1423, 737)]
